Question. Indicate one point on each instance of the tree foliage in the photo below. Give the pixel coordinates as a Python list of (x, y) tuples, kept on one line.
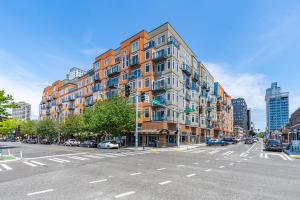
[(112, 117), (29, 128), (8, 126), (72, 126), (47, 128), (6, 101)]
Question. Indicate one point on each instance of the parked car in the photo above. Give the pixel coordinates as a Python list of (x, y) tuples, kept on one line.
[(45, 141), (229, 140), (255, 139), (273, 145), (72, 142), (249, 141), (108, 144), (89, 144), (212, 142), (30, 141)]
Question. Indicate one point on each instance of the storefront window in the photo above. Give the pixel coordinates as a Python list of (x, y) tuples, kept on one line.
[(171, 139)]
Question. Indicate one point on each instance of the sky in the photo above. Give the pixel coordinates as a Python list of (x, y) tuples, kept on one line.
[(246, 45)]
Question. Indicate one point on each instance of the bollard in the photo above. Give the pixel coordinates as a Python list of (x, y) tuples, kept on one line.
[(21, 154)]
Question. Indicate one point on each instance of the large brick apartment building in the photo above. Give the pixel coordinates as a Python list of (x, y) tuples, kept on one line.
[(163, 66)]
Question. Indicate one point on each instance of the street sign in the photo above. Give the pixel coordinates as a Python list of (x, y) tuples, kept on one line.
[(188, 110), (155, 102)]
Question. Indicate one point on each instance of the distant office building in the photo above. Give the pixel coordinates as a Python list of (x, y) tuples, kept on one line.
[(277, 107), (249, 126), (75, 73), (240, 117), (23, 112)]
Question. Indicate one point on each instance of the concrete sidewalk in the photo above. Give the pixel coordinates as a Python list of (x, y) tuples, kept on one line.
[(292, 154), (182, 147)]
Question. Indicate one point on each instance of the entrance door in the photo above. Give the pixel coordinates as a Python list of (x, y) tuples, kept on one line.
[(152, 140)]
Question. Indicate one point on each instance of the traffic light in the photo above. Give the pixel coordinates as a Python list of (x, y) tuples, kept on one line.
[(142, 96), (127, 90)]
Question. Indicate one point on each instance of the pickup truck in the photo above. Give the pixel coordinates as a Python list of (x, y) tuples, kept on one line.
[(72, 142)]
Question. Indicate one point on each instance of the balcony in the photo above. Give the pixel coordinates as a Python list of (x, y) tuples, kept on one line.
[(186, 69), (159, 86), (49, 98), (187, 121), (48, 106), (210, 99), (88, 103), (204, 85), (196, 76), (111, 84), (149, 45), (134, 61), (48, 112), (71, 107), (78, 95), (173, 41), (209, 126), (97, 79), (195, 87), (209, 118), (209, 108), (187, 84), (115, 70), (188, 97), (95, 89), (159, 56), (135, 76), (159, 118), (71, 98)]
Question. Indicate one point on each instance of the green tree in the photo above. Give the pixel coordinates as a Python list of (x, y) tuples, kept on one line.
[(6, 101), (8, 126), (28, 127), (73, 126), (252, 133), (113, 117), (47, 128)]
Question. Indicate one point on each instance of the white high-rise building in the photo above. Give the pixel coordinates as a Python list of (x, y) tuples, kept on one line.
[(75, 73), (23, 112)]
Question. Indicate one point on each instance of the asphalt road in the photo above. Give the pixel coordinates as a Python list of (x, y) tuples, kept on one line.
[(232, 172)]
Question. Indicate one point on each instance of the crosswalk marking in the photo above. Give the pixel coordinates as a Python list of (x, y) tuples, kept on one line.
[(78, 158), (199, 151), (38, 163), (283, 156), (30, 164), (93, 156), (213, 152), (287, 157), (228, 153), (58, 160), (5, 166)]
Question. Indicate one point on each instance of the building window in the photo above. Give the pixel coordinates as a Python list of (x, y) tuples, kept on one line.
[(160, 67), (161, 39), (140, 84), (135, 45), (147, 67), (97, 65), (147, 54), (169, 50), (106, 62), (146, 112), (169, 64), (147, 82)]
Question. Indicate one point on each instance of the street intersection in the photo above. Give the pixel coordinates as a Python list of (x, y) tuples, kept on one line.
[(230, 172)]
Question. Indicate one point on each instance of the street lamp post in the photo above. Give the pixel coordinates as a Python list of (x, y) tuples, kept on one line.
[(136, 117)]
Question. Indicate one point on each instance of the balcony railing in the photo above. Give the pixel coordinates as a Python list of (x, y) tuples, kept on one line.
[(196, 76), (71, 107), (134, 61), (173, 41), (161, 100), (159, 118), (186, 69), (71, 98), (195, 87), (48, 112), (96, 89), (48, 106), (150, 44), (187, 121), (159, 86), (209, 108), (97, 79), (188, 97), (114, 71), (135, 76), (111, 84), (187, 84), (49, 98), (159, 56)]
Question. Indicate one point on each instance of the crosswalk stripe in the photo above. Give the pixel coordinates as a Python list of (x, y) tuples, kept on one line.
[(107, 155), (78, 158), (213, 152), (266, 156), (93, 156), (199, 151), (6, 167), (38, 163), (282, 157), (0, 169), (287, 157), (227, 153), (261, 155), (30, 164), (58, 160)]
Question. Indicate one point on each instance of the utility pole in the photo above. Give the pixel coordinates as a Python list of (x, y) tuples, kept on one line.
[(177, 126), (136, 117)]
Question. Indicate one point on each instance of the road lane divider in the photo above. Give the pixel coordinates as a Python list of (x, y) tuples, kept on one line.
[(124, 194), (98, 181), (165, 182), (190, 175), (40, 192)]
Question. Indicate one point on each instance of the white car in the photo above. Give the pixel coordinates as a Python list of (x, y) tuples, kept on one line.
[(72, 142), (108, 144)]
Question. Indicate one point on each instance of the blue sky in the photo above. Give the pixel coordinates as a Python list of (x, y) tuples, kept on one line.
[(246, 44)]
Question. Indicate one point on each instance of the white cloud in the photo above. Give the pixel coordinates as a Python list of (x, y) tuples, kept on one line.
[(21, 83)]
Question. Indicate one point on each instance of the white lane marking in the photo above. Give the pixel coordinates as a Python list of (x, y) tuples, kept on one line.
[(282, 157), (165, 182), (5, 166), (38, 163), (238, 161), (221, 167), (58, 160), (227, 153), (30, 164), (93, 156), (207, 161), (199, 151), (134, 174), (190, 175), (0, 169), (251, 148), (207, 170), (217, 159), (242, 154), (231, 164), (124, 194), (195, 163), (78, 158), (288, 157), (266, 156), (213, 152), (40, 192), (160, 169), (179, 165), (261, 155), (98, 181), (245, 159), (107, 155), (54, 156)]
